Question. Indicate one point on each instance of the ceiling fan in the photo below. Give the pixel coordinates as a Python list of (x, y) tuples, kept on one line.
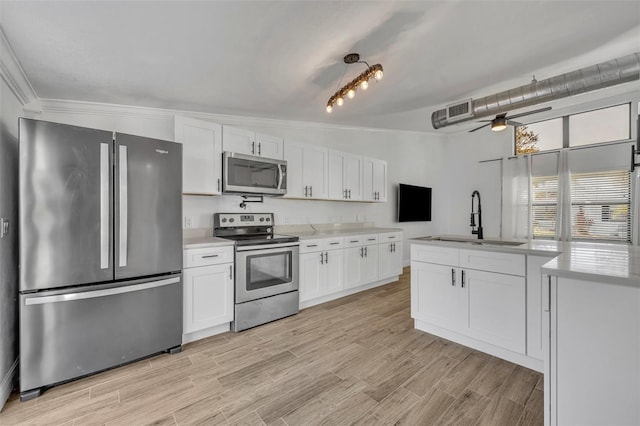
[(502, 121)]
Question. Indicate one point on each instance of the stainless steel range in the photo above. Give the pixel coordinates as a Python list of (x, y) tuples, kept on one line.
[(266, 286)]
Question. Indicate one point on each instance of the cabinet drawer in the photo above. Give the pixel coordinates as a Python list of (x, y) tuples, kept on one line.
[(309, 246), (370, 239), (503, 263), (333, 243), (354, 241), (207, 256), (434, 254), (390, 237)]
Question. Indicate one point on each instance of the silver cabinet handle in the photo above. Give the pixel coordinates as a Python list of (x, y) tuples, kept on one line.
[(41, 300), (230, 272), (104, 205), (334, 243), (311, 191), (326, 257), (345, 194), (349, 194), (253, 147), (321, 258), (365, 252), (371, 239), (218, 184), (361, 251), (453, 277), (123, 221), (311, 245), (462, 284), (353, 241), (260, 148), (209, 255), (306, 191)]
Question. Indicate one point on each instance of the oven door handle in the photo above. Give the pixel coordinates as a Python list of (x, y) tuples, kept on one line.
[(266, 246)]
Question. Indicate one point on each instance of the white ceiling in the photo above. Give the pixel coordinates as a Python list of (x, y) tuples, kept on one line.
[(283, 59)]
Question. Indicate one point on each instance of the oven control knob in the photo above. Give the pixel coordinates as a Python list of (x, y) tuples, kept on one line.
[(268, 219), (268, 229), (262, 219), (224, 219), (232, 220)]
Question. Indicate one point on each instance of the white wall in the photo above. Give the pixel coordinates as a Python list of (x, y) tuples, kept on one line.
[(412, 158)]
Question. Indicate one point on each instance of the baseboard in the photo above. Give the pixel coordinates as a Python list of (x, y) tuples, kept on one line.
[(8, 382), (207, 332), (348, 292)]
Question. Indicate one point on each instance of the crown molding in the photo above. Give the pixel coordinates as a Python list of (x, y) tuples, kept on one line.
[(63, 106), (13, 74)]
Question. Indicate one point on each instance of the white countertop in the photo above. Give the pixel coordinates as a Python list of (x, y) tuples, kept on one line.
[(603, 262), (322, 233), (202, 238)]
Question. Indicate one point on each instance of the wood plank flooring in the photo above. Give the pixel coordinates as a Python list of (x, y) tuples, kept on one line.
[(357, 360)]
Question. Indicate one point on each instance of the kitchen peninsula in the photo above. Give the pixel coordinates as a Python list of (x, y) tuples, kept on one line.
[(580, 301)]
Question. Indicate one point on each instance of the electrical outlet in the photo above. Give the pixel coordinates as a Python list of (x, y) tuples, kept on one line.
[(188, 222)]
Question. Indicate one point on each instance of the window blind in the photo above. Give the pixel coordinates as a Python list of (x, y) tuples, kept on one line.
[(601, 205), (544, 195)]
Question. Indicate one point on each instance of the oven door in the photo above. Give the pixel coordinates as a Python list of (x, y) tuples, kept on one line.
[(266, 270)]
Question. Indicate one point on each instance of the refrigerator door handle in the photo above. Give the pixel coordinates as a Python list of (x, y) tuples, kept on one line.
[(41, 300), (122, 249), (104, 205)]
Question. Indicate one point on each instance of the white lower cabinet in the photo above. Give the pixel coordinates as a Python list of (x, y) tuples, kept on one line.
[(361, 260), (208, 290), (320, 274), (390, 255), (478, 308), (592, 342)]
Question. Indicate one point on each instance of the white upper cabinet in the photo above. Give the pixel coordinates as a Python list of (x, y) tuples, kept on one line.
[(244, 141), (345, 176), (374, 179), (307, 170), (201, 155)]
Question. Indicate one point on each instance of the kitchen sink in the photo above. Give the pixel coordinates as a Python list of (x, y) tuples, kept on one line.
[(474, 241)]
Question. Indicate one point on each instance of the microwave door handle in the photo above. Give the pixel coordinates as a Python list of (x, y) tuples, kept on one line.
[(280, 176)]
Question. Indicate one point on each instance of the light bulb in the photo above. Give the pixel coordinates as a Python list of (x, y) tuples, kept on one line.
[(364, 84), (339, 101), (378, 75), (351, 93), (498, 127), (329, 108)]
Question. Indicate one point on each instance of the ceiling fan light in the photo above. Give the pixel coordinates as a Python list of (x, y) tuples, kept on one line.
[(498, 124)]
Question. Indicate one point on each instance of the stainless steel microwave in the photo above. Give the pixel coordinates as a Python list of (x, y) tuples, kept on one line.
[(248, 174)]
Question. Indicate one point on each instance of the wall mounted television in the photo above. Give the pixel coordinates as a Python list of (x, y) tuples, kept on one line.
[(414, 203)]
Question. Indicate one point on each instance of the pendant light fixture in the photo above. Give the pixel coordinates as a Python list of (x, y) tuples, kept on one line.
[(348, 91)]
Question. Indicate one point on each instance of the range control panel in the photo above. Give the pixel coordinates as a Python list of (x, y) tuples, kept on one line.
[(234, 220)]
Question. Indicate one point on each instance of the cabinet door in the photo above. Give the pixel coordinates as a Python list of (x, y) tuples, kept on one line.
[(269, 146), (374, 179), (208, 296), (293, 153), (201, 155), (370, 264), (353, 258), (390, 259), (334, 263), (337, 164), (315, 170), (353, 176), (313, 275), (437, 296), (238, 140), (497, 311), (535, 334)]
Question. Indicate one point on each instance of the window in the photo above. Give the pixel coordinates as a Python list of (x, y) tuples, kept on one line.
[(601, 205), (595, 178)]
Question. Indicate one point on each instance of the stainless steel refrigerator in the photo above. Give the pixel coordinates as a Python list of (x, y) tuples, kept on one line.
[(100, 251)]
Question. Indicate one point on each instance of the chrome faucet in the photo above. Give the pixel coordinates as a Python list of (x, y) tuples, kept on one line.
[(477, 231)]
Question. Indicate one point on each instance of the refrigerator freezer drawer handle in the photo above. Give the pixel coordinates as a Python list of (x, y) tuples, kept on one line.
[(104, 205), (122, 249), (98, 293)]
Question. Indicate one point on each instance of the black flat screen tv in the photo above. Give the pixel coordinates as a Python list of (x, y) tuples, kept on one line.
[(414, 203)]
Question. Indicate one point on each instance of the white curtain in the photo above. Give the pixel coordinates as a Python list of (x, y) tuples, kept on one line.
[(516, 207)]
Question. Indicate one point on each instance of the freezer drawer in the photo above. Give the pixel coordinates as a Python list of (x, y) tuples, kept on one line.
[(83, 330)]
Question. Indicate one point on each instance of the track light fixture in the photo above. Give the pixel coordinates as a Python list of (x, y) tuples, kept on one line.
[(348, 91)]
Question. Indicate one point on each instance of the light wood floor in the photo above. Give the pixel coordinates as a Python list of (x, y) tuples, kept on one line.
[(356, 360)]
